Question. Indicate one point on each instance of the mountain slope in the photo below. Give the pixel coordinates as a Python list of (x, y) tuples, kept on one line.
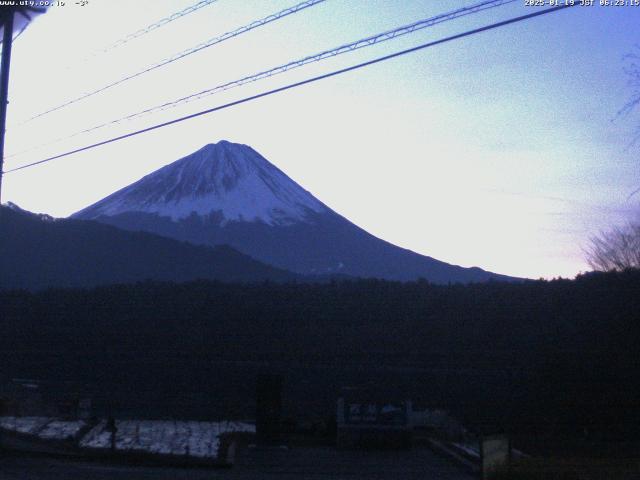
[(227, 193), (41, 251), (232, 180)]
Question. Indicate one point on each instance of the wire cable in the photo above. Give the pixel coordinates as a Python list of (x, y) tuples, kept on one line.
[(298, 84), (20, 32), (365, 42), (349, 47), (201, 46), (160, 23)]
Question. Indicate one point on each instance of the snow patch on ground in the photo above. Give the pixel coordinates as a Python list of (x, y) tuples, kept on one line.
[(43, 427), (468, 449), (198, 439), (61, 429)]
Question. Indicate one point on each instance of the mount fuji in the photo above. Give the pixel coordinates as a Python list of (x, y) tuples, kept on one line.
[(228, 193)]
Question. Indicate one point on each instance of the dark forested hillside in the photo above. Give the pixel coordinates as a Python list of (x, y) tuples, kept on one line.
[(536, 355), (39, 251)]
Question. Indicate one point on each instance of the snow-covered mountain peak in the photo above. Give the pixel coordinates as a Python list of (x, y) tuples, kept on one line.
[(224, 178)]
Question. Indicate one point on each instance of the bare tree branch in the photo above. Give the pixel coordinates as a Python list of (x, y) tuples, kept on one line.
[(618, 249)]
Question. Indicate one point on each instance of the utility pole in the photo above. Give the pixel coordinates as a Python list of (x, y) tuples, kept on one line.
[(4, 84)]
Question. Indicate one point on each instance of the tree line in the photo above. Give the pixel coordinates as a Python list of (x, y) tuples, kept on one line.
[(541, 355)]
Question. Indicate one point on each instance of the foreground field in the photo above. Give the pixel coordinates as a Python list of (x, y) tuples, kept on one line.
[(253, 464)]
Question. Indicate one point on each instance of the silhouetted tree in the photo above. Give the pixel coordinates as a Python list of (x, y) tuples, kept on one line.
[(632, 70), (617, 249)]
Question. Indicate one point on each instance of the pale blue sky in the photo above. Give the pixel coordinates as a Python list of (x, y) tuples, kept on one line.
[(501, 150)]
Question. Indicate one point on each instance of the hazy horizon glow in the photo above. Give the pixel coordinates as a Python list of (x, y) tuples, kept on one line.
[(501, 150)]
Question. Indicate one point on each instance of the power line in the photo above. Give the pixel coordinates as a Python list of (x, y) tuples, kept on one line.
[(365, 42), (362, 43), (20, 32), (160, 23), (298, 84), (212, 41)]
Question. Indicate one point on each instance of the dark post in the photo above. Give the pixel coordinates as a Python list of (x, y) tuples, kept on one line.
[(268, 408), (112, 429), (4, 84)]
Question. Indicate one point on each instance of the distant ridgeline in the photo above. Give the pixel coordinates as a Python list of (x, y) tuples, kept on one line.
[(40, 251), (538, 355)]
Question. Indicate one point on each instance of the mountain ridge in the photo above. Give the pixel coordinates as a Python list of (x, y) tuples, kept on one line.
[(230, 194), (44, 252), (215, 175)]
